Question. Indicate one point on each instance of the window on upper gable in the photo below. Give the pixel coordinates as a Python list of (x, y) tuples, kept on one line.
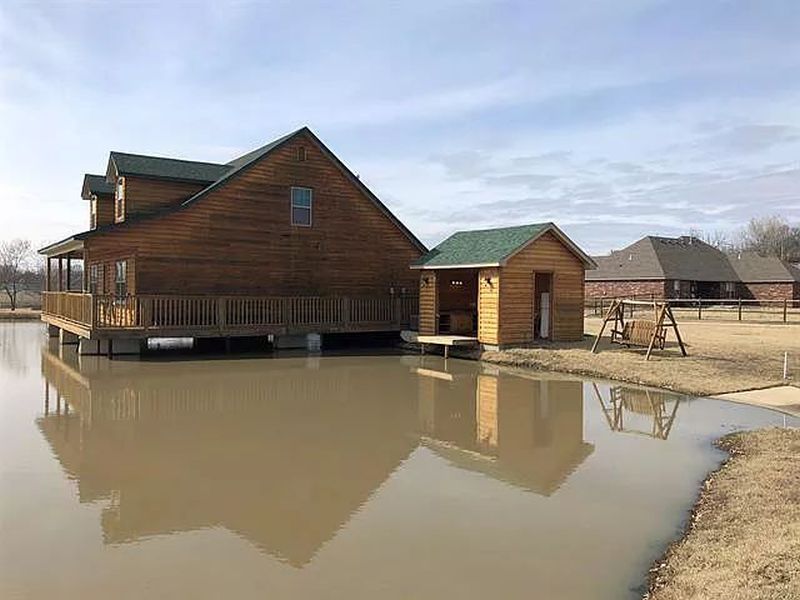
[(301, 154), (301, 206)]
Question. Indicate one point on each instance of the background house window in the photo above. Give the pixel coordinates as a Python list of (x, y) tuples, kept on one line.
[(93, 214), (301, 154), (301, 206), (119, 199), (121, 279)]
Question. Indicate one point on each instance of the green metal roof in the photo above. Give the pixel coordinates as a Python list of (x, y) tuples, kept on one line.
[(167, 168), (481, 247)]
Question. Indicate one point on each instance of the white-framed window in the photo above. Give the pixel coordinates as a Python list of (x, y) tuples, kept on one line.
[(676, 286), (302, 199), (93, 213), (119, 199), (121, 279)]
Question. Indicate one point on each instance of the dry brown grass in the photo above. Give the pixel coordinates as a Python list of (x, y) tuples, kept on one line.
[(723, 357), (743, 540)]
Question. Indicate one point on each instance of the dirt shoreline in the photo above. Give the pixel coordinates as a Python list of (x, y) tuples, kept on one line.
[(741, 540), (21, 314)]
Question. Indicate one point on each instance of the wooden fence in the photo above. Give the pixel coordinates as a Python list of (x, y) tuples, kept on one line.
[(226, 313), (739, 309)]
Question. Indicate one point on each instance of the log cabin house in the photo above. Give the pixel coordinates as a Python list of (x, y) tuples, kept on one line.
[(283, 241), (503, 287)]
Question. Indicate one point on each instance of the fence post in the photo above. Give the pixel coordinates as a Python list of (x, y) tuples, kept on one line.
[(740, 308), (785, 309), (699, 309)]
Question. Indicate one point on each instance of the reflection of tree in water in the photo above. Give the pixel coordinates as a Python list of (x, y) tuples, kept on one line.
[(15, 343), (660, 407)]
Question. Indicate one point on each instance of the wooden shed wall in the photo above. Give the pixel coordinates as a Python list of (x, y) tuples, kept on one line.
[(428, 302), (238, 238), (489, 282), (547, 254)]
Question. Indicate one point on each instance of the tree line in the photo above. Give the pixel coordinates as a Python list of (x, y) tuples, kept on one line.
[(768, 236)]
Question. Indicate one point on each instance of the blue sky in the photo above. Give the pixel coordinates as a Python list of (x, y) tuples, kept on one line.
[(615, 119)]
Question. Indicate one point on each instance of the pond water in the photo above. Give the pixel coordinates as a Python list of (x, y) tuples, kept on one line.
[(347, 476)]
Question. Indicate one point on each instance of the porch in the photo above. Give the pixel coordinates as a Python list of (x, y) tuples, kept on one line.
[(93, 316)]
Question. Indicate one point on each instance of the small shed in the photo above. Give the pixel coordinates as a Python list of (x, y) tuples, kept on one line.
[(507, 286)]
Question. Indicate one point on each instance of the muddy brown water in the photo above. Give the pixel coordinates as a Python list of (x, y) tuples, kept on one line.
[(346, 476)]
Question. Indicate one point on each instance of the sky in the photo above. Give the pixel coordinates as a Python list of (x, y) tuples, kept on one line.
[(614, 119)]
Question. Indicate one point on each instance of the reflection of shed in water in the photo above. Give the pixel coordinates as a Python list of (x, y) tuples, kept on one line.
[(282, 455), (660, 408), (527, 432)]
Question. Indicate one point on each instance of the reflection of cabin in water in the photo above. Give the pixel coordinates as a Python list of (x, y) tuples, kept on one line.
[(270, 459), (629, 408), (527, 432), (504, 286)]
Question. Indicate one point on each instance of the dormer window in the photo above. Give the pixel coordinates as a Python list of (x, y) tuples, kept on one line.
[(301, 206), (119, 199)]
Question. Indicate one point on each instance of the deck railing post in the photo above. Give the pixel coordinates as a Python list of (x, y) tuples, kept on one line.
[(397, 309), (785, 310), (346, 311), (740, 308), (221, 306)]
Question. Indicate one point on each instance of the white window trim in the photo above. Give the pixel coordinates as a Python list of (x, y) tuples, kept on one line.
[(310, 206)]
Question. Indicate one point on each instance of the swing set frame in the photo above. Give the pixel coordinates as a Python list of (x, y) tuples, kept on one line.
[(639, 332)]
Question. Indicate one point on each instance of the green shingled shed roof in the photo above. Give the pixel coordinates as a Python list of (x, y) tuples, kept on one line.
[(490, 247)]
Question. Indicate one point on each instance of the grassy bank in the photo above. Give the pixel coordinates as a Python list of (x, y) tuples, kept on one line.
[(723, 357), (743, 539), (21, 314)]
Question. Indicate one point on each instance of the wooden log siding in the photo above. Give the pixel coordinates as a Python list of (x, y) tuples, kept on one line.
[(143, 196), (547, 254), (428, 303), (230, 314), (489, 285), (238, 239)]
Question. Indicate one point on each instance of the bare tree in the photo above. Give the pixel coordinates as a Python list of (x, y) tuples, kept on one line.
[(15, 259), (771, 236), (717, 238)]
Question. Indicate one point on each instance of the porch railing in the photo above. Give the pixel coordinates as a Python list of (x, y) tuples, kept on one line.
[(168, 312)]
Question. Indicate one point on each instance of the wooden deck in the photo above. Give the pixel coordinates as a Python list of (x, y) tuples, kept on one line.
[(140, 316), (446, 341)]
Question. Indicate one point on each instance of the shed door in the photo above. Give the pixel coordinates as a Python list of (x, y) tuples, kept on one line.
[(542, 305)]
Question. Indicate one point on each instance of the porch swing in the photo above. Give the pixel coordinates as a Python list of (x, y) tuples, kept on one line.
[(650, 334)]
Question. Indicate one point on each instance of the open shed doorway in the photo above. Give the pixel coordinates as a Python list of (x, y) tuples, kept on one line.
[(458, 301), (542, 306)]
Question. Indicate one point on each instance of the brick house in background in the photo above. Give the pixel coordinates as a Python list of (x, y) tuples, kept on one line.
[(686, 267)]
